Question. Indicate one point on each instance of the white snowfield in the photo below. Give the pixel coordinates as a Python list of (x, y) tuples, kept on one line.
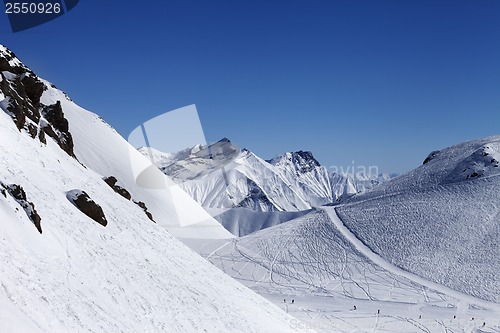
[(316, 261), (243, 221), (290, 182), (130, 276), (440, 221)]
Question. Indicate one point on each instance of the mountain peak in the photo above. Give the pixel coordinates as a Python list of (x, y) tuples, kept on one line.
[(303, 161), (224, 139), (10, 63)]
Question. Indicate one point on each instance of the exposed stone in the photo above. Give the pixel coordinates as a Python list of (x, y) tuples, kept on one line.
[(32, 130), (18, 193), (431, 156), (59, 127), (145, 209), (41, 137), (111, 181), (25, 90), (86, 205), (34, 89)]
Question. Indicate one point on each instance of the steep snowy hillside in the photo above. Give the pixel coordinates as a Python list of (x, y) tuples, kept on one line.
[(440, 221), (222, 176), (80, 251)]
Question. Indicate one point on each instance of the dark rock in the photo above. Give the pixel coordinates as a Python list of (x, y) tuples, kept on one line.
[(32, 130), (29, 107), (431, 156), (111, 181), (18, 193), (59, 127), (7, 56), (257, 199), (24, 107), (34, 89), (41, 137), (145, 209), (86, 205)]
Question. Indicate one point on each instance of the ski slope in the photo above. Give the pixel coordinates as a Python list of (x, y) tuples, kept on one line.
[(326, 270), (440, 221)]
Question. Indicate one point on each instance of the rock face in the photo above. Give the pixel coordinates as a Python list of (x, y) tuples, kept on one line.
[(20, 94), (18, 193), (431, 156), (145, 209), (257, 199), (86, 205), (58, 127), (301, 161), (111, 181)]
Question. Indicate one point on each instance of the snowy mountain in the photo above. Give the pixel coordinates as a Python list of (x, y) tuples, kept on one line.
[(223, 176), (84, 247), (440, 221), (418, 253)]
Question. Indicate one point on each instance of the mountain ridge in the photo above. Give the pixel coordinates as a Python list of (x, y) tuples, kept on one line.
[(255, 183)]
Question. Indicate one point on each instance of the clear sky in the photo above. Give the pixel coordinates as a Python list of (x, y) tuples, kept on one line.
[(377, 82)]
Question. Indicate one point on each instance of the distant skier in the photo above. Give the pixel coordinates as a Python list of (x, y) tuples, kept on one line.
[(378, 311), (284, 301), (355, 307), (293, 301)]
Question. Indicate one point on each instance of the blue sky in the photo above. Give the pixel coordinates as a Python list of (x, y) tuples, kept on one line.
[(376, 82)]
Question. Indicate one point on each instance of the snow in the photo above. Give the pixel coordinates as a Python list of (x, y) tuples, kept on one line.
[(316, 261), (437, 223), (233, 178), (130, 276), (243, 221), (167, 202), (421, 248)]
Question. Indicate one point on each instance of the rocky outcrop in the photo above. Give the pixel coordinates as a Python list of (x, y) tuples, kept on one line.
[(81, 200), (302, 161), (20, 94), (57, 127), (112, 182), (431, 156), (145, 209), (18, 193)]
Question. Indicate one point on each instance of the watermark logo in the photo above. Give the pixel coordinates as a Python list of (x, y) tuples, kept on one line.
[(25, 15), (355, 171), (174, 144)]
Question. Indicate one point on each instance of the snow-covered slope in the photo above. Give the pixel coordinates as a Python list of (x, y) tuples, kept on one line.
[(222, 176), (243, 221), (440, 221), (116, 273), (167, 202), (339, 285)]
